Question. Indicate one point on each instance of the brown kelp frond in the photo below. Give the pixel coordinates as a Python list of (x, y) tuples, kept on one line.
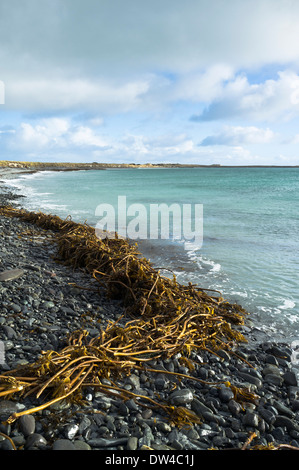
[(242, 395), (165, 317)]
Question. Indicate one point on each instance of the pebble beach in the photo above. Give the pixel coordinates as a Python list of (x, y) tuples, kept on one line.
[(42, 301)]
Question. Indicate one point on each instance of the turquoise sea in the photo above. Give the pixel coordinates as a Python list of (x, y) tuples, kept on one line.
[(250, 249)]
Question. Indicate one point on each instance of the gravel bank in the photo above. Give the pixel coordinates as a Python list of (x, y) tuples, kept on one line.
[(40, 303)]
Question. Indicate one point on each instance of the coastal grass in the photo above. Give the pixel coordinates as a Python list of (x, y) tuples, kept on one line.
[(162, 318)]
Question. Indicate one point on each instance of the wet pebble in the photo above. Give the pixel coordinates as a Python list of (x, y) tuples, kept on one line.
[(181, 397), (34, 441), (27, 424), (63, 444)]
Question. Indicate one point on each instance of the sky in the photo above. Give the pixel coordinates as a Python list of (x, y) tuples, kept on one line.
[(150, 81)]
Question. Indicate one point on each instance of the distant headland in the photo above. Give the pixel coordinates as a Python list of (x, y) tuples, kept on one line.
[(67, 166)]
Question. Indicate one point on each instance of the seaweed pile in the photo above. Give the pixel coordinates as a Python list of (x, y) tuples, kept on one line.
[(163, 318)]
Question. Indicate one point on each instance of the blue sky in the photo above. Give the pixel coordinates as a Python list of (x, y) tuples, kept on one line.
[(193, 81)]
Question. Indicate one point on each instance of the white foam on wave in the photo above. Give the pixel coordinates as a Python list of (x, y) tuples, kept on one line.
[(240, 294), (50, 206), (287, 304), (212, 266), (34, 199)]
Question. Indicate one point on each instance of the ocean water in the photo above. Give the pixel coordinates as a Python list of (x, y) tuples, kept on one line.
[(250, 245)]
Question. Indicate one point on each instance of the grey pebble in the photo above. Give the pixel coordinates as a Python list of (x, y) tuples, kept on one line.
[(132, 443), (102, 442), (63, 444), (35, 440), (251, 419), (9, 332), (251, 379), (7, 408), (27, 424), (71, 431), (11, 274), (226, 394), (81, 445), (274, 379), (281, 421), (181, 397)]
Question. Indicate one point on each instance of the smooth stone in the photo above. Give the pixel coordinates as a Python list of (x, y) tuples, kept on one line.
[(161, 382), (278, 433), (134, 380), (131, 404), (290, 378), (213, 418), (281, 352), (132, 443), (71, 431), (147, 414), (16, 308), (102, 442), (11, 274), (7, 408), (271, 369), (267, 415), (282, 421), (251, 419), (282, 409), (27, 425), (85, 423), (147, 437), (163, 426), (199, 408), (63, 444), (271, 360), (35, 440), (251, 379), (19, 440), (60, 405), (181, 397), (81, 445), (274, 379), (6, 445), (203, 373), (48, 304), (220, 441), (9, 332), (234, 407), (295, 405), (226, 394)]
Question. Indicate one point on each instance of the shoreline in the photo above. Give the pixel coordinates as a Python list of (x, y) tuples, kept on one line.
[(67, 166), (46, 308)]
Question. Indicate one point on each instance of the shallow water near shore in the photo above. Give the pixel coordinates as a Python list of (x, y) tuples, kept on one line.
[(250, 228)]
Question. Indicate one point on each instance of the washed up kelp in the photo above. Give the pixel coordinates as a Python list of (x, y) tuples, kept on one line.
[(164, 318)]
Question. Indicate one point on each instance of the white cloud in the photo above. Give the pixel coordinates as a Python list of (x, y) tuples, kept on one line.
[(93, 53), (49, 132), (143, 36), (266, 101), (203, 86), (75, 94), (84, 136), (239, 135), (141, 69), (52, 134), (162, 146)]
